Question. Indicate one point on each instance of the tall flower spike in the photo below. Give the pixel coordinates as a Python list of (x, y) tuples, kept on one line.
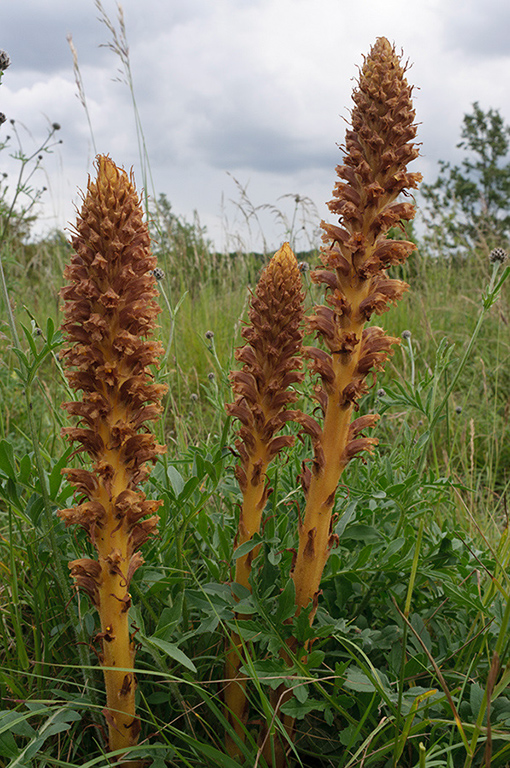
[(271, 365), (110, 313), (356, 255)]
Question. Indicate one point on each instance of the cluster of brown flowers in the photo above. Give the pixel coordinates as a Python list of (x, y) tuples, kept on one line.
[(272, 364), (110, 313)]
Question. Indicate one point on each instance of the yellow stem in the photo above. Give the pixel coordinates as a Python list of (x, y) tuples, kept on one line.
[(250, 518), (314, 533)]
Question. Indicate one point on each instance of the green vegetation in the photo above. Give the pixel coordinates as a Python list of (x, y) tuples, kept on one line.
[(411, 662), (468, 205)]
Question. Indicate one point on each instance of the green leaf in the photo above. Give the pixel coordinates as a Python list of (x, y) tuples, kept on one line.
[(171, 650), (356, 680), (243, 549), (349, 736), (394, 547), (30, 339), (475, 699), (176, 480), (365, 533), (300, 692), (189, 487), (25, 468), (298, 710), (315, 659), (346, 518), (8, 747), (170, 618), (7, 461), (56, 477), (363, 558), (422, 631), (273, 672), (286, 603)]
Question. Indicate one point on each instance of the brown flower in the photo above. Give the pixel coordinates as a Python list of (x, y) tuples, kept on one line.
[(110, 312), (263, 388), (356, 255)]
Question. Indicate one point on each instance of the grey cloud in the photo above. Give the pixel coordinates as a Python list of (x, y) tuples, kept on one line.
[(260, 148), (34, 33), (478, 29)]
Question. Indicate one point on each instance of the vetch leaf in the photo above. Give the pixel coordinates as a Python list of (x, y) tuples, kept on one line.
[(171, 650), (243, 549), (176, 480)]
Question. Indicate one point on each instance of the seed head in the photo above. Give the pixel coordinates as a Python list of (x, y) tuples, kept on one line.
[(406, 335), (4, 60), (497, 256)]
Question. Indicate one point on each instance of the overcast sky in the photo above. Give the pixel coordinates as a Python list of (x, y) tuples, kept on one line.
[(252, 90)]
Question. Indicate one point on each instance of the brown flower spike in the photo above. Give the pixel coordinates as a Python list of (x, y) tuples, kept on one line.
[(110, 312), (356, 255), (271, 365)]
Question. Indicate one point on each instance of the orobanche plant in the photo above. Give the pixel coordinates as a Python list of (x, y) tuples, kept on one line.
[(263, 387), (110, 312), (356, 255)]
